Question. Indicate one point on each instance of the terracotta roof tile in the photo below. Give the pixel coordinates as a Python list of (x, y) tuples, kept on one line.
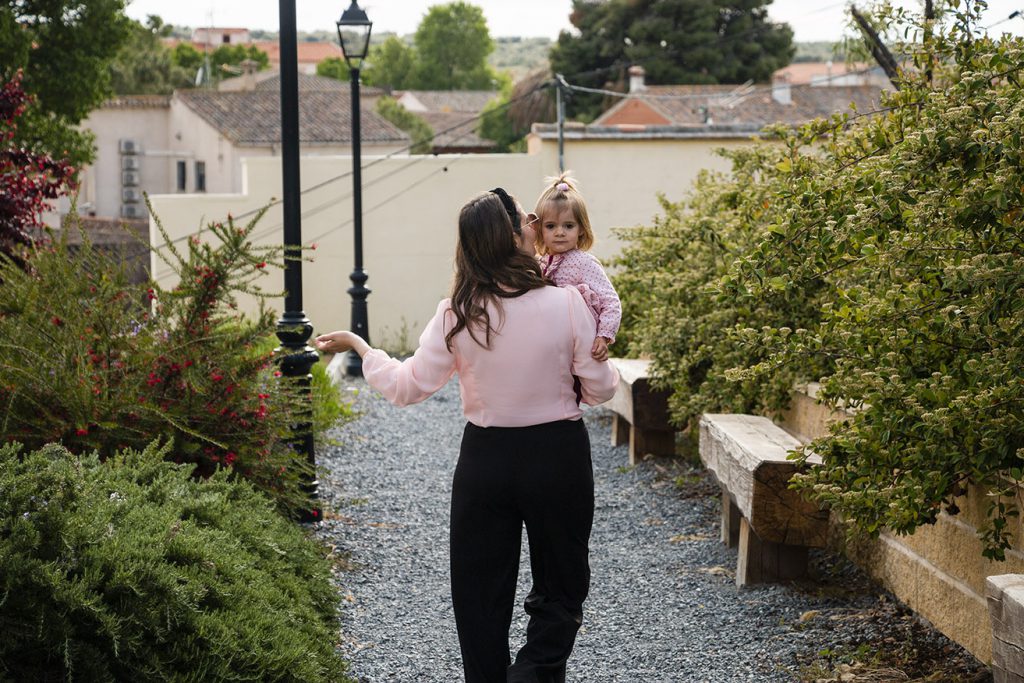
[(254, 117), (695, 105), (308, 52)]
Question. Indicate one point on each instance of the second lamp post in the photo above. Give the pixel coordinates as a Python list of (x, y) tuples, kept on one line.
[(354, 35)]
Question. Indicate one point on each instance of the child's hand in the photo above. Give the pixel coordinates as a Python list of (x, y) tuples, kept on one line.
[(599, 351)]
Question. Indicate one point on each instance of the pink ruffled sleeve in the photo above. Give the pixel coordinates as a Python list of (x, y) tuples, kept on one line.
[(609, 310), (598, 379), (416, 378)]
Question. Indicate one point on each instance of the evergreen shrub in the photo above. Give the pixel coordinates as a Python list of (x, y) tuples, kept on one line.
[(881, 253), (130, 569)]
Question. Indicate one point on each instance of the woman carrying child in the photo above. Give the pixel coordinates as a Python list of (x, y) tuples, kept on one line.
[(517, 344)]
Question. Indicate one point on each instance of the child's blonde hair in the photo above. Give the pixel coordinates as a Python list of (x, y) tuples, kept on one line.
[(560, 192)]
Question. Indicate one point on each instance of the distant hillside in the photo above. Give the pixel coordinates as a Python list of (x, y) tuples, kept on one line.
[(520, 56), (818, 52)]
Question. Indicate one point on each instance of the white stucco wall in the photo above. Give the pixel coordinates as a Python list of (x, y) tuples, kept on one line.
[(410, 208), (101, 181)]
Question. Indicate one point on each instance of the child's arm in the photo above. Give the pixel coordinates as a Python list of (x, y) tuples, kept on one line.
[(609, 314)]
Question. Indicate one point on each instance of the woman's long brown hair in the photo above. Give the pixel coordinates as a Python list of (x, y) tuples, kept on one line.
[(488, 267)]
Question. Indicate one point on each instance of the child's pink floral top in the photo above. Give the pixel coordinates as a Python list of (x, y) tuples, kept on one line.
[(583, 271)]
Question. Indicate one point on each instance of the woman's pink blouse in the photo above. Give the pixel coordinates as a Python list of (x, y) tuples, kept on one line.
[(543, 338)]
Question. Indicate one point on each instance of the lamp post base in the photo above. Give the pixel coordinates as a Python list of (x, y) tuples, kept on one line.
[(296, 359)]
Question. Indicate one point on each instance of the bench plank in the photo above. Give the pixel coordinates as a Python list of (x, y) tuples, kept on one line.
[(772, 525), (641, 413)]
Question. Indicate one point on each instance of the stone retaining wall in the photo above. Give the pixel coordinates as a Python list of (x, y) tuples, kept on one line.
[(938, 571)]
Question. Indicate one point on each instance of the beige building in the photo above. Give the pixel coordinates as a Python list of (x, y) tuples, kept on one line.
[(194, 141)]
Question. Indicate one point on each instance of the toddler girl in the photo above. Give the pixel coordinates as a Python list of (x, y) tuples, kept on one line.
[(563, 240)]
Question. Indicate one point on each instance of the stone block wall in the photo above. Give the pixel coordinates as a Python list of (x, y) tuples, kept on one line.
[(938, 571)]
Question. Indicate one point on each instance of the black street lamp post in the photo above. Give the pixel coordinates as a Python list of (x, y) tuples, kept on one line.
[(296, 357), (354, 35)]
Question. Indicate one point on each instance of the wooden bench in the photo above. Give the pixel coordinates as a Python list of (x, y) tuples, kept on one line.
[(772, 524), (641, 413)]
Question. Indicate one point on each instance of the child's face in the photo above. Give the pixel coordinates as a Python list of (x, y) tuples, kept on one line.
[(560, 232)]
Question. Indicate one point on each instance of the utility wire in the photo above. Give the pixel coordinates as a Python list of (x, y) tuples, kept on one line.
[(1013, 15)]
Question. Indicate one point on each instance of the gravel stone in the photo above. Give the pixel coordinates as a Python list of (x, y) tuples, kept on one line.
[(663, 604)]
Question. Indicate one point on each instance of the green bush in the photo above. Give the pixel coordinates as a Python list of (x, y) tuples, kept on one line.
[(94, 362), (883, 255), (132, 570), (672, 309)]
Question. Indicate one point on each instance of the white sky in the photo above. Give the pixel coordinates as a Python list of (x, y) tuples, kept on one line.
[(823, 20)]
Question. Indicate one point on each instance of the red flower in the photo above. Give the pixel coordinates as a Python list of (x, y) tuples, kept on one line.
[(230, 458), (81, 431), (216, 376), (56, 321), (261, 264)]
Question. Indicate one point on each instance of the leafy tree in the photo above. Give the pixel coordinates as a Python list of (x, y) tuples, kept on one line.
[(187, 57), (676, 41), (333, 67), (419, 130), (226, 59), (64, 48), (497, 122), (145, 66), (390, 65), (452, 44)]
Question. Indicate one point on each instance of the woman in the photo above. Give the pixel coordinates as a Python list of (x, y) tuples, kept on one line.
[(516, 343)]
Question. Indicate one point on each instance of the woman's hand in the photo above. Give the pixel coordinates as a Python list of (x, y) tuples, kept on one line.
[(340, 342)]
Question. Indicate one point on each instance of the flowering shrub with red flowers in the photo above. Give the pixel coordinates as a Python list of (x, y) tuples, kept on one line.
[(96, 363), (28, 181)]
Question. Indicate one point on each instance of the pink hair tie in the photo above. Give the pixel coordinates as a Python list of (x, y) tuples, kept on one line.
[(562, 187)]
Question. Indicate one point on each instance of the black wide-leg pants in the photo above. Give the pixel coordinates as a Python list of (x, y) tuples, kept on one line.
[(540, 476)]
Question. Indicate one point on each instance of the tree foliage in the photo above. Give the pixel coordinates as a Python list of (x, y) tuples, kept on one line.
[(391, 65), (675, 41), (882, 255), (145, 66), (452, 44), (333, 67), (419, 131), (64, 48)]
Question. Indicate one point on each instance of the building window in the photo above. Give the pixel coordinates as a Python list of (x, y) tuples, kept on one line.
[(181, 176), (225, 38), (200, 176)]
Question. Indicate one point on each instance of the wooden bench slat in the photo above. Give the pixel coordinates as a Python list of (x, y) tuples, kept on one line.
[(772, 524), (641, 413)]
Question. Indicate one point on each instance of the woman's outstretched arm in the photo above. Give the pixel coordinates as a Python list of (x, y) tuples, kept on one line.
[(401, 382)]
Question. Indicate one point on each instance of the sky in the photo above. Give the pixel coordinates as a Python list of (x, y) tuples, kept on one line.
[(811, 21)]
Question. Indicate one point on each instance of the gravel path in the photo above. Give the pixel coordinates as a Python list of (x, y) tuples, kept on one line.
[(663, 605)]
